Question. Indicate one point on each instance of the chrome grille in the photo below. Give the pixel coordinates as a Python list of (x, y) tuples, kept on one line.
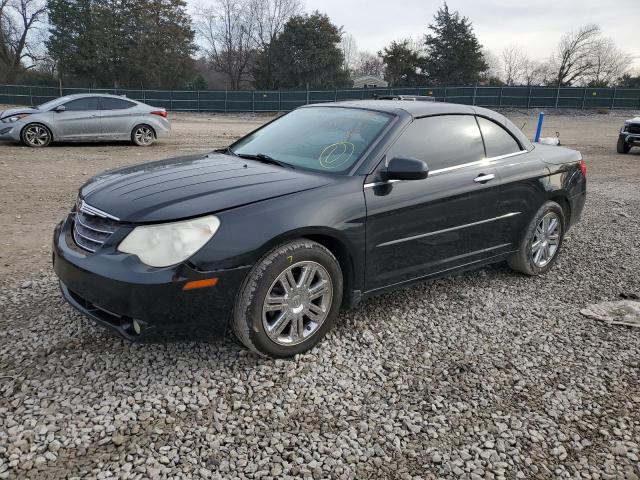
[(90, 228)]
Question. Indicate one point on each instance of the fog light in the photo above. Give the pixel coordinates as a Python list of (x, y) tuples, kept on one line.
[(137, 327)]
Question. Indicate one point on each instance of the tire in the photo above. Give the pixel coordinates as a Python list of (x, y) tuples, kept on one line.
[(527, 260), (622, 146), (255, 321), (36, 135), (143, 135)]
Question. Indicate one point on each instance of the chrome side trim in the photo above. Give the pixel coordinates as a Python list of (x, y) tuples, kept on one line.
[(439, 171), (89, 210), (445, 230)]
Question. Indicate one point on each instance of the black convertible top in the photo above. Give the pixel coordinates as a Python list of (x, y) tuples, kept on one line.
[(425, 109)]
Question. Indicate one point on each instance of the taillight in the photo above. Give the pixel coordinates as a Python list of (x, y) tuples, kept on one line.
[(583, 167), (161, 113)]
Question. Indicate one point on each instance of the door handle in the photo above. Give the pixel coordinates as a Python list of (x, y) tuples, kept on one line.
[(482, 178)]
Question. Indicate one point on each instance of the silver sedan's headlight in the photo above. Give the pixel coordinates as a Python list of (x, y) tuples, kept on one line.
[(14, 118), (169, 243)]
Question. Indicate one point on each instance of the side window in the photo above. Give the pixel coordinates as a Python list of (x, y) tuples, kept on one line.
[(442, 141), (497, 140), (109, 103), (81, 104)]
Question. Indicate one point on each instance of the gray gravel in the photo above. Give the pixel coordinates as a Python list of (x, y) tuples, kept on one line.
[(484, 375)]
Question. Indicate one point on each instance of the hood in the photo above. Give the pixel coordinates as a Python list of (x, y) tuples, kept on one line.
[(14, 111), (191, 186), (633, 120)]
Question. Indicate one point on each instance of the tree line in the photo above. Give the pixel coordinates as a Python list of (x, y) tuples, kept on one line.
[(269, 44)]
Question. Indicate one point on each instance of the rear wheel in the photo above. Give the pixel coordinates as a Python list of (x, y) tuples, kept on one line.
[(622, 146), (36, 135), (289, 300), (143, 135), (541, 242)]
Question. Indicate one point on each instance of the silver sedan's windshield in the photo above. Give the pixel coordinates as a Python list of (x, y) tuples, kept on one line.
[(51, 103), (328, 139)]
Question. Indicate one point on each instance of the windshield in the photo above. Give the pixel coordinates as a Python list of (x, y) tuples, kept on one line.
[(49, 104), (326, 139)]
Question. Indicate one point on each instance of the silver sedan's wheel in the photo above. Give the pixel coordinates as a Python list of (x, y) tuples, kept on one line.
[(546, 240), (143, 135), (297, 303), (36, 136)]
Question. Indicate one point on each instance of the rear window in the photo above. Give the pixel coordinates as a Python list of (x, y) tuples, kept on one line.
[(109, 103), (497, 140)]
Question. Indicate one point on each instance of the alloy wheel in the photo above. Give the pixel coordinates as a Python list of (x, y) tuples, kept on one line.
[(546, 239), (36, 135), (297, 303), (143, 135)]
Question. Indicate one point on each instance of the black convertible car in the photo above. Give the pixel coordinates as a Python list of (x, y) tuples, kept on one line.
[(321, 208)]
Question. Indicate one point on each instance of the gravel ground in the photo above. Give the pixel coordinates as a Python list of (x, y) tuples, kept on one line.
[(488, 374)]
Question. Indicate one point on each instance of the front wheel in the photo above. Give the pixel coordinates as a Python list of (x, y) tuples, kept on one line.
[(143, 135), (36, 135), (622, 146), (541, 242), (289, 300)]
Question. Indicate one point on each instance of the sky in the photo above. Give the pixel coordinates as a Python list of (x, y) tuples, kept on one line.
[(534, 25)]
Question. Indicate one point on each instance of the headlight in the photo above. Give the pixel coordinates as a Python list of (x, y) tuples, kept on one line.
[(169, 243), (14, 118)]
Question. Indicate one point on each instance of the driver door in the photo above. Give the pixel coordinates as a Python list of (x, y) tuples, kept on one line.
[(418, 228), (79, 120)]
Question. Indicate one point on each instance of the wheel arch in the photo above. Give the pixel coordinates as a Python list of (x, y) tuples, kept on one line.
[(44, 124), (339, 246), (563, 201)]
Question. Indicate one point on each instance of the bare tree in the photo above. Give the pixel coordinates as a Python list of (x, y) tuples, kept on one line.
[(228, 31), (349, 51), (271, 16), (609, 64), (514, 64), (573, 59), (494, 67), (369, 64), (536, 73), (19, 20)]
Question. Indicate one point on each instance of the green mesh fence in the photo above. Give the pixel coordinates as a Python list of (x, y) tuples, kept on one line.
[(285, 100)]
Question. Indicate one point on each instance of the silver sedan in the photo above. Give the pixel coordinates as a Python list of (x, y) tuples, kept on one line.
[(85, 117)]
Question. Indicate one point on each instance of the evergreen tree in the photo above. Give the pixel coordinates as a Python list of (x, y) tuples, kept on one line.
[(453, 53), (120, 43), (402, 64), (306, 53)]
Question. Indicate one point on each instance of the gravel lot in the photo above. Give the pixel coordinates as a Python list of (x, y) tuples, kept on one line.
[(488, 374)]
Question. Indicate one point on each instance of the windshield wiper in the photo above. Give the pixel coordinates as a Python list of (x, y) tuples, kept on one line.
[(261, 157)]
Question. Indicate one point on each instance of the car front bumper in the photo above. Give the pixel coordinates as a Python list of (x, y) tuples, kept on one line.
[(630, 138), (106, 288), (10, 132)]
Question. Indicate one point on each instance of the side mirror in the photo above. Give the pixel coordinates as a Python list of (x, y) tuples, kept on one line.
[(60, 108), (406, 168)]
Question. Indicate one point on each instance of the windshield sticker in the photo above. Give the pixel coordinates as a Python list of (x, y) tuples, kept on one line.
[(335, 155)]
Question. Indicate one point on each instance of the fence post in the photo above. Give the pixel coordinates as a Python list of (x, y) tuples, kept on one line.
[(226, 97), (529, 98), (613, 101), (445, 93), (500, 100), (557, 95), (253, 101), (171, 100), (475, 88), (198, 92), (584, 96), (279, 100), (335, 95), (30, 97), (307, 94)]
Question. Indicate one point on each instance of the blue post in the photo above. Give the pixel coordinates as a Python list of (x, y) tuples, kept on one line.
[(539, 129)]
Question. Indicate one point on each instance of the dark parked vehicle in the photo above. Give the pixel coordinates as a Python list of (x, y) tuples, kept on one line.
[(321, 208), (629, 135)]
